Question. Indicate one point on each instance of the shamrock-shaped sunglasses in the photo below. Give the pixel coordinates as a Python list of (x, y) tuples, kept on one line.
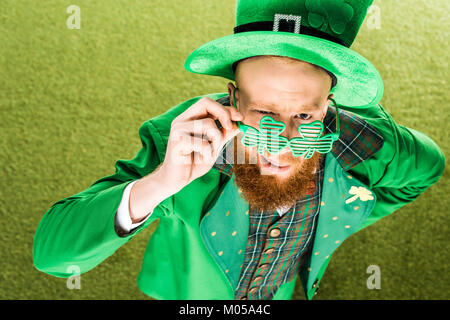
[(269, 136)]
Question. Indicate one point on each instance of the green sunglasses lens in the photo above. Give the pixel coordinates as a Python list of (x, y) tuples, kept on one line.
[(269, 136)]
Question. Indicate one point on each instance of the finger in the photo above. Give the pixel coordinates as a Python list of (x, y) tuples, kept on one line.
[(202, 151), (232, 132), (228, 135), (235, 114), (189, 144), (205, 128), (203, 158), (206, 107)]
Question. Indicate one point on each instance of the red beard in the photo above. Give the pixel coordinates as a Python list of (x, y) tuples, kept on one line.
[(269, 192)]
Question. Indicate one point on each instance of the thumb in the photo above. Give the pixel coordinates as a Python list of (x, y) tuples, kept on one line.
[(231, 133), (228, 134)]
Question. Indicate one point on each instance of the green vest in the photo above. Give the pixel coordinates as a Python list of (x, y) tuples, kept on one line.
[(180, 261)]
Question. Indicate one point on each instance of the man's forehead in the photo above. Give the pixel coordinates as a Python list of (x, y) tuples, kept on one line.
[(304, 106), (274, 98)]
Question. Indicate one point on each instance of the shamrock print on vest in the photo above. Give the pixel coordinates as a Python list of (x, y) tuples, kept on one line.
[(336, 14), (268, 137), (359, 192)]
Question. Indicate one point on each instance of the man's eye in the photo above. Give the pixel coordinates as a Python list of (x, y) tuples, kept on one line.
[(304, 116), (264, 112)]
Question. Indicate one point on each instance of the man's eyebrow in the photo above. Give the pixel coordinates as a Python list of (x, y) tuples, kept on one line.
[(306, 107), (262, 104)]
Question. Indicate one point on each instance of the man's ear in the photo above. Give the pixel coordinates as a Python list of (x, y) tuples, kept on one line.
[(230, 91), (232, 88), (330, 96)]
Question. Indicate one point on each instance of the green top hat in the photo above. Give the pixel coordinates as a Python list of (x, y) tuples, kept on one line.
[(317, 31)]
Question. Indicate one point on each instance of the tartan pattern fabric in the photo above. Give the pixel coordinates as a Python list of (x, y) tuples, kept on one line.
[(265, 270), (358, 140)]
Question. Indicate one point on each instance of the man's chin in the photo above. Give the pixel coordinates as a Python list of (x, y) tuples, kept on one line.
[(267, 188)]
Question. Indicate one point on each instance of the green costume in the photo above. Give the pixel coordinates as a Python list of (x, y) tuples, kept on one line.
[(178, 263), (181, 261)]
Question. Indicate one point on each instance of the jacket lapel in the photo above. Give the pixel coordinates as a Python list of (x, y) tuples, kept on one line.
[(224, 231), (346, 202)]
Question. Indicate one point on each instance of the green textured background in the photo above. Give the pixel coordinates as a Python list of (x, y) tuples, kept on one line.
[(72, 101)]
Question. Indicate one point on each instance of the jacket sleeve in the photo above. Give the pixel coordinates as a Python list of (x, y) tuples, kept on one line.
[(408, 163), (80, 230)]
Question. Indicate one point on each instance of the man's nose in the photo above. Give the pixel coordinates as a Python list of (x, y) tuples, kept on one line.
[(284, 151), (291, 131)]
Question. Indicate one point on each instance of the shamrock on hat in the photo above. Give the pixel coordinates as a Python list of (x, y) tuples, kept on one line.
[(324, 13)]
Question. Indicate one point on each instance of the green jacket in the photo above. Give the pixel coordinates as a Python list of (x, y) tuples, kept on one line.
[(180, 262)]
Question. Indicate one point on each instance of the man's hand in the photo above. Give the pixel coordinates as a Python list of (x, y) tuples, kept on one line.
[(193, 146), (195, 141)]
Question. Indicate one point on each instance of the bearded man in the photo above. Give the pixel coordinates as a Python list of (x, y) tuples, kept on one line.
[(260, 185)]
